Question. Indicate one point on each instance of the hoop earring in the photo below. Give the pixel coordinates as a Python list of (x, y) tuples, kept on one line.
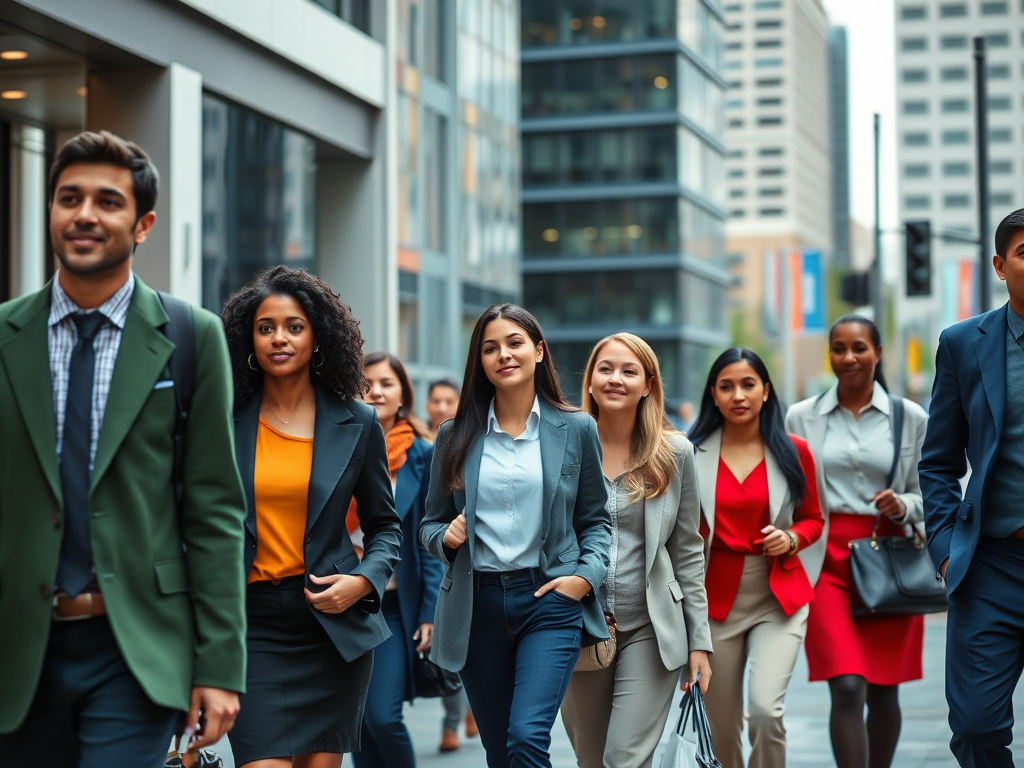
[(251, 366), (322, 358)]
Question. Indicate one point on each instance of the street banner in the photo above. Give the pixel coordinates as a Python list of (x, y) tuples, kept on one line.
[(812, 292), (958, 291)]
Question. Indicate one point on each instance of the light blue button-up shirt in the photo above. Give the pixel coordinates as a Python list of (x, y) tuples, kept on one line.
[(510, 497)]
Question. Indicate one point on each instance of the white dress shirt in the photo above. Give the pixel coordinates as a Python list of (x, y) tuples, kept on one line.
[(510, 497)]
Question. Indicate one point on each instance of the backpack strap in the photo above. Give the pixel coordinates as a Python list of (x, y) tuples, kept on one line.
[(896, 408), (178, 330)]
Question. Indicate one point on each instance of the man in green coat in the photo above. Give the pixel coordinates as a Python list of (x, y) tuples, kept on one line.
[(119, 613)]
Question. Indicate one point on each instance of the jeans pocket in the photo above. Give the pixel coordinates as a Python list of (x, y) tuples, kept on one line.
[(565, 598)]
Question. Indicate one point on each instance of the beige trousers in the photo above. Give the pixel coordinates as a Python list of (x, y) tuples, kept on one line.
[(759, 632), (615, 717)]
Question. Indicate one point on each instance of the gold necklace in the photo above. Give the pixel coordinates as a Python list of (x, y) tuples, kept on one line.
[(283, 421)]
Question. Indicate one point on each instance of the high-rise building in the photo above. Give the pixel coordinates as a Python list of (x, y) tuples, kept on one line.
[(622, 180), (374, 143), (839, 115), (936, 145), (779, 168)]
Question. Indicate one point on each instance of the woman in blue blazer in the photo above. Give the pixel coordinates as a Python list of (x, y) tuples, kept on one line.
[(411, 596), (516, 509)]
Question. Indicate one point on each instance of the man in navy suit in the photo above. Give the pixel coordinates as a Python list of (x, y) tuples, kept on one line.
[(977, 538)]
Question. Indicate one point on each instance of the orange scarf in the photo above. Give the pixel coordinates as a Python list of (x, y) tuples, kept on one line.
[(399, 440)]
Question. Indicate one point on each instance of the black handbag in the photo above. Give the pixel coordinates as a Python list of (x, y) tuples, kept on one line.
[(894, 575), (432, 681)]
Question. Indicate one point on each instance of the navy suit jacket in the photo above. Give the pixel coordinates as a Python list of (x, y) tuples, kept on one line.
[(965, 424)]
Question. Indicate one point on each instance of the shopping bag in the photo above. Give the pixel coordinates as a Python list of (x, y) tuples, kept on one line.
[(690, 745)]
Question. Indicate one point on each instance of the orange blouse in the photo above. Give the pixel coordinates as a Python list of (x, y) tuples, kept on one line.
[(281, 490)]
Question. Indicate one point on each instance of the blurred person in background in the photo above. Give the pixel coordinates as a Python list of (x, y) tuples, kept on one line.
[(442, 401), (655, 585), (849, 429), (759, 499), (516, 509), (411, 595), (307, 446)]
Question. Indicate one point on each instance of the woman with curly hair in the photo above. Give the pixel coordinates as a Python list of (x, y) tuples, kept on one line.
[(306, 446)]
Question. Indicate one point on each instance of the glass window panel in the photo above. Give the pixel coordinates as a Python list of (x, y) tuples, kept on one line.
[(580, 151), (435, 146), (615, 85), (540, 159), (577, 87), (658, 83), (539, 22)]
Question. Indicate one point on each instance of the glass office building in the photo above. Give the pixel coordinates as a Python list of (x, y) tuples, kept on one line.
[(623, 180)]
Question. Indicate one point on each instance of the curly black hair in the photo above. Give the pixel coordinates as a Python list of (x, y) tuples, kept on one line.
[(334, 327)]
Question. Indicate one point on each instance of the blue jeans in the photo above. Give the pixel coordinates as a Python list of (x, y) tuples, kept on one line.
[(522, 651), (385, 741), (89, 710), (985, 654)]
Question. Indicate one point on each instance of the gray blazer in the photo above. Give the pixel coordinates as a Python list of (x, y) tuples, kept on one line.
[(676, 600), (806, 420), (576, 530)]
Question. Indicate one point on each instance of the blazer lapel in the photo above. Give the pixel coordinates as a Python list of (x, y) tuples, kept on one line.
[(552, 450), (706, 460), (334, 441), (990, 346), (27, 360), (247, 422), (141, 357), (777, 488)]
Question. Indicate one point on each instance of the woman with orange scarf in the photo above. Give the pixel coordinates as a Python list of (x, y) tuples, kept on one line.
[(411, 595)]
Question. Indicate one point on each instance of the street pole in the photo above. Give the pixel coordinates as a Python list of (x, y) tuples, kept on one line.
[(786, 329), (981, 142), (877, 293)]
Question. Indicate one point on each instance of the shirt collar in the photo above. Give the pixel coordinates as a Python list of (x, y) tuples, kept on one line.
[(879, 399), (1015, 323), (531, 421), (115, 309)]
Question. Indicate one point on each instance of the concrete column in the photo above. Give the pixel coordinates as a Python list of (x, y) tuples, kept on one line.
[(161, 110), (29, 240)]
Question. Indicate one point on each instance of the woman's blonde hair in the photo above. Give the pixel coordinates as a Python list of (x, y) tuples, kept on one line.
[(652, 460)]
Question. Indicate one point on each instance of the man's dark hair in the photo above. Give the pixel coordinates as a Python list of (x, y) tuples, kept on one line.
[(1007, 228), (450, 383), (105, 147)]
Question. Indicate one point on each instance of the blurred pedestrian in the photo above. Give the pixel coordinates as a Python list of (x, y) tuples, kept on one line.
[(759, 499), (442, 401), (307, 445), (411, 595), (850, 431), (516, 507), (111, 632), (615, 716), (976, 538)]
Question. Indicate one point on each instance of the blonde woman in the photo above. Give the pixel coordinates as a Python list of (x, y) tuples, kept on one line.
[(615, 716)]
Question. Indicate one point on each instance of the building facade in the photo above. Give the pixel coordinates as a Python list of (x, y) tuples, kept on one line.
[(779, 168), (622, 180), (937, 153), (839, 127), (327, 134)]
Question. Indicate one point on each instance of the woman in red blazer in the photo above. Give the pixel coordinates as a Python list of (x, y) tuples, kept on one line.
[(759, 506)]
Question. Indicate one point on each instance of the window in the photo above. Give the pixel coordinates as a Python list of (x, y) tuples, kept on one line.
[(355, 12), (771, 192), (576, 22), (917, 171), (956, 201), (435, 147), (768, 24), (955, 105), (734, 45), (771, 172), (735, 194), (1001, 167), (952, 42), (610, 156), (771, 101), (1000, 135), (733, 104), (952, 10), (917, 202), (602, 228), (434, 38), (734, 8), (769, 121), (735, 153), (767, 5), (768, 82), (408, 315), (737, 173), (616, 298), (768, 43), (915, 107), (1002, 199), (999, 103), (913, 12), (769, 152), (734, 26), (956, 169), (912, 44), (735, 123), (997, 40), (915, 139), (994, 9), (999, 72), (733, 64), (768, 63), (737, 213), (915, 75), (735, 85), (956, 137), (771, 212), (951, 74)]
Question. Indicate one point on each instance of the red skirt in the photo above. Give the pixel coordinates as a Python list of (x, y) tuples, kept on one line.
[(884, 651)]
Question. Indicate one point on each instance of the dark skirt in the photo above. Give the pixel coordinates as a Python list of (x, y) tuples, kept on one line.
[(301, 695)]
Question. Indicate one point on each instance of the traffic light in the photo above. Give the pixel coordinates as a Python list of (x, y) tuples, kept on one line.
[(854, 289), (919, 258)]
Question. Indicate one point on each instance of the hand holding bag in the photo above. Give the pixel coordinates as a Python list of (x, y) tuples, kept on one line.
[(432, 681), (696, 751), (894, 575), (597, 657)]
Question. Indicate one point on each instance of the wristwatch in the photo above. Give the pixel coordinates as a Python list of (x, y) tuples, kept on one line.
[(792, 543)]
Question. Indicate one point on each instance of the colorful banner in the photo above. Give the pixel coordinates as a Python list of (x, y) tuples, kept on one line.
[(959, 291), (813, 292)]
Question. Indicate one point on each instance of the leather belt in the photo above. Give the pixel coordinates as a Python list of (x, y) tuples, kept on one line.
[(87, 605)]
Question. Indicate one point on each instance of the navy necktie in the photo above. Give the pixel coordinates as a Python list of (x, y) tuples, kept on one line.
[(74, 571)]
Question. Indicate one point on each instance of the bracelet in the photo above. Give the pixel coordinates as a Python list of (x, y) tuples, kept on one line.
[(793, 544)]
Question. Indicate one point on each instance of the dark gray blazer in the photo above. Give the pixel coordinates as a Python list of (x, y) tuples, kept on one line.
[(349, 460), (576, 532)]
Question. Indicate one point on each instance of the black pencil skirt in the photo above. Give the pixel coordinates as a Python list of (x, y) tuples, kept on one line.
[(301, 695)]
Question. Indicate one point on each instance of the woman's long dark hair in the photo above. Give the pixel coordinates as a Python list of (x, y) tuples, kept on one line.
[(470, 419), (772, 419), (408, 409), (876, 339)]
